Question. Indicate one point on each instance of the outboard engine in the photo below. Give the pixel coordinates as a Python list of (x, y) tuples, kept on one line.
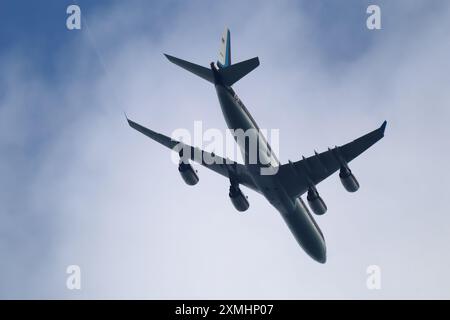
[(238, 199), (315, 201), (188, 173), (348, 180)]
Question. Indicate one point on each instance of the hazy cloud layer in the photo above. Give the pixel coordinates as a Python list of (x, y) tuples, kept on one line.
[(80, 187)]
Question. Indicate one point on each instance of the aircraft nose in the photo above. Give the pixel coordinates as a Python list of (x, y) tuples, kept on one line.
[(321, 255), (306, 232), (317, 251)]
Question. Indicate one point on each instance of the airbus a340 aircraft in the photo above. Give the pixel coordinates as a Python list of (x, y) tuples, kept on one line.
[(290, 181)]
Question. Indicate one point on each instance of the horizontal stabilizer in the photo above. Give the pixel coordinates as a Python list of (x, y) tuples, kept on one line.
[(200, 71), (235, 72)]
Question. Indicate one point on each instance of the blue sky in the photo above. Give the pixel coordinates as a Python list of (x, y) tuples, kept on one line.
[(80, 187)]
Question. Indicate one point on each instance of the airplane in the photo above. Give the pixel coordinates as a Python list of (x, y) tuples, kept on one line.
[(284, 188)]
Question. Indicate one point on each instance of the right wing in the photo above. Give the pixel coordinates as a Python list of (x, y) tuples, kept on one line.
[(223, 166), (297, 176)]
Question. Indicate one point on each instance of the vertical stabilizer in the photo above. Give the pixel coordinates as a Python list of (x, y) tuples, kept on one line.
[(225, 50)]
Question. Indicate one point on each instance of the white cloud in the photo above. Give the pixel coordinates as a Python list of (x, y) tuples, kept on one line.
[(104, 197)]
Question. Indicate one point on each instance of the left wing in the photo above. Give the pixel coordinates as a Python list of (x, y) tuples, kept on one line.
[(223, 166), (297, 176)]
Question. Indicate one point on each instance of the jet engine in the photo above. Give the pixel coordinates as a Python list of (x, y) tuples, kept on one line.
[(188, 173), (348, 180), (238, 199), (316, 202)]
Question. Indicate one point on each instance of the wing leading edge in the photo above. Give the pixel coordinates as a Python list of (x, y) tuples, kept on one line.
[(223, 166), (297, 176)]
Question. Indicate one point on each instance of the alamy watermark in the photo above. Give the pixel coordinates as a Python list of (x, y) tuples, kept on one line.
[(373, 281), (73, 281), (258, 151), (73, 21), (373, 22)]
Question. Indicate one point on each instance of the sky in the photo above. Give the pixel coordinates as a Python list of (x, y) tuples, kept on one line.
[(79, 187)]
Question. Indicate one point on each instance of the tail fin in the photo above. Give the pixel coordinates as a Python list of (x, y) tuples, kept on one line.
[(228, 73), (231, 73), (225, 50)]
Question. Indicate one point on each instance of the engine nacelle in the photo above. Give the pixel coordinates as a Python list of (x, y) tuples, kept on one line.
[(348, 180), (188, 173), (238, 199), (316, 202)]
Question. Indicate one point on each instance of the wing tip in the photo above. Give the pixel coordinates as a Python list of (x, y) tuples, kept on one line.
[(169, 57), (383, 127), (130, 123)]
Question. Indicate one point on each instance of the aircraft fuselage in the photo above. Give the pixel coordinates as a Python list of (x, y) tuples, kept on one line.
[(293, 210)]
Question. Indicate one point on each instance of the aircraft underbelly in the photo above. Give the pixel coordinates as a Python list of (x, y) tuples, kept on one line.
[(252, 144), (235, 117), (293, 210)]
